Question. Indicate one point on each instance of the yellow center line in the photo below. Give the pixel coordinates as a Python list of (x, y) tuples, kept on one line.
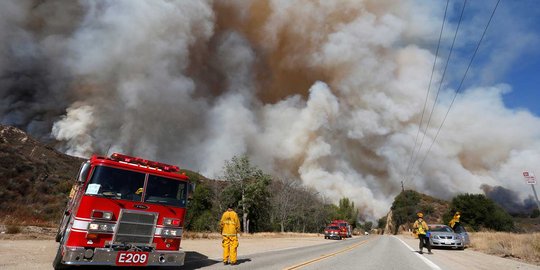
[(300, 265)]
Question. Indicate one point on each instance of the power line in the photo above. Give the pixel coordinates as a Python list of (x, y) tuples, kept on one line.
[(439, 88), (461, 83), (427, 94)]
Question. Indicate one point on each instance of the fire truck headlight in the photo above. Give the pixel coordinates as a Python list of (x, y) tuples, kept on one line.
[(107, 215), (171, 222), (101, 227), (171, 232), (99, 214)]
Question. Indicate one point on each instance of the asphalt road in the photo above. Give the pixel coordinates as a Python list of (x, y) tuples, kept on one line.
[(360, 252), (366, 252)]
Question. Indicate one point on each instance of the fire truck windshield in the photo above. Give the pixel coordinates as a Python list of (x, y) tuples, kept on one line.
[(129, 185), (166, 191)]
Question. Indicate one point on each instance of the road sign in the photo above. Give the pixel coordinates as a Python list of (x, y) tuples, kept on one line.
[(529, 178)]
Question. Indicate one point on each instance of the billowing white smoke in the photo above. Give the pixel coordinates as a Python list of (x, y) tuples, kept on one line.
[(330, 92)]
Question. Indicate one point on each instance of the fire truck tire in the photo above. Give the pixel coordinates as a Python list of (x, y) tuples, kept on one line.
[(58, 236), (57, 262)]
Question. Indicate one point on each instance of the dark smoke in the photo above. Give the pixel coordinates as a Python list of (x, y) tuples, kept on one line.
[(509, 200), (34, 86)]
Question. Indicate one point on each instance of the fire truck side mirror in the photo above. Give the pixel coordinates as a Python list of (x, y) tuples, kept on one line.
[(83, 172), (191, 190)]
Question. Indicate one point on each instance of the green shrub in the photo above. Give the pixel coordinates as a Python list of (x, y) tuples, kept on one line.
[(480, 212), (405, 207), (205, 221), (535, 213)]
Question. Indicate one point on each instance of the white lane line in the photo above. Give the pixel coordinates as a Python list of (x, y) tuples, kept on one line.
[(427, 261)]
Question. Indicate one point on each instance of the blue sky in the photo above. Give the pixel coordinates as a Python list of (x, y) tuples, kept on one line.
[(525, 81), (510, 52), (523, 72)]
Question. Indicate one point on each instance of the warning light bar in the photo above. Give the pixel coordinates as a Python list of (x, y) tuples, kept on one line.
[(144, 162)]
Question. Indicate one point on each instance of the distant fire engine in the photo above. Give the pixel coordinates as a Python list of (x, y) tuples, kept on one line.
[(124, 211), (345, 229)]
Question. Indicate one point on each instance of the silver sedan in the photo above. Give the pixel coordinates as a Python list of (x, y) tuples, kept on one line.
[(443, 236)]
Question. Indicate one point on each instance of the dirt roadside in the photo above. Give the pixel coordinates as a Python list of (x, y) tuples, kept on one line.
[(23, 254), (468, 259)]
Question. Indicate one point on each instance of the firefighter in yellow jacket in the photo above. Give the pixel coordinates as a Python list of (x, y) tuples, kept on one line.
[(230, 227), (422, 228), (455, 220)]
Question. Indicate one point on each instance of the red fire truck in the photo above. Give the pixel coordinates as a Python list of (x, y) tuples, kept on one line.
[(345, 229), (124, 211)]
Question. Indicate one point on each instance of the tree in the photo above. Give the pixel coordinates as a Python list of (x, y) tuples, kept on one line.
[(200, 210), (535, 213), (250, 184), (199, 213), (478, 211), (347, 211), (367, 226), (404, 208), (309, 210), (284, 191), (381, 223)]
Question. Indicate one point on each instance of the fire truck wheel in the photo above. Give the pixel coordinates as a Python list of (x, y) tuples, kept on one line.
[(57, 262), (59, 235)]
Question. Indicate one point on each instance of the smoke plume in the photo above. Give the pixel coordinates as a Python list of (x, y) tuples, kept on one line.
[(509, 200), (330, 92)]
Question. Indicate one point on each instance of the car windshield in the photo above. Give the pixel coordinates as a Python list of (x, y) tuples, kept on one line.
[(441, 229), (129, 185), (459, 229), (332, 228)]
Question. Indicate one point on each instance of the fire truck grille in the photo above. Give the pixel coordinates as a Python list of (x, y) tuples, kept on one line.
[(135, 227)]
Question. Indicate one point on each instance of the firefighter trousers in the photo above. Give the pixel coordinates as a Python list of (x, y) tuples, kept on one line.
[(230, 246), (424, 242)]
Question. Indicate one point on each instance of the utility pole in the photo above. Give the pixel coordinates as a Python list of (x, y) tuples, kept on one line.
[(531, 180), (402, 188), (536, 196)]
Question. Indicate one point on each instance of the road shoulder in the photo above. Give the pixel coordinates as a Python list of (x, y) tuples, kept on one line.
[(467, 259)]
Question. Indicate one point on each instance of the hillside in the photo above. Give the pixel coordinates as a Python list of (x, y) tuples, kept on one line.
[(34, 178), (407, 204)]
